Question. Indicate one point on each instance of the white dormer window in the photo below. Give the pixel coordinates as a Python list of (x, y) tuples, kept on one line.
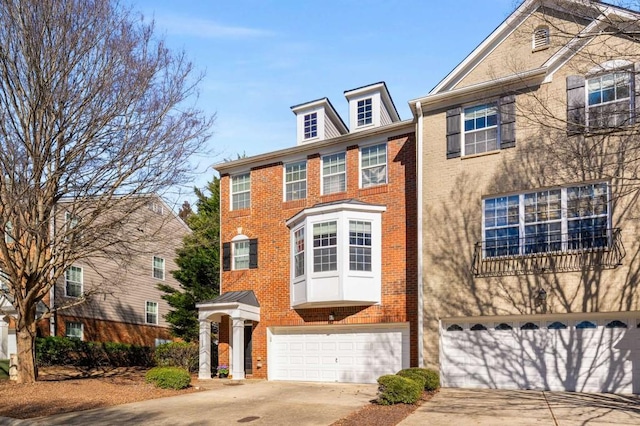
[(311, 125), (541, 37), (365, 112)]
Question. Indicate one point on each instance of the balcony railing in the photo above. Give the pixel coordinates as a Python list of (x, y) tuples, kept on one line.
[(548, 253)]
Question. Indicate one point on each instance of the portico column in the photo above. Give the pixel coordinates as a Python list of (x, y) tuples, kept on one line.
[(204, 371), (237, 364)]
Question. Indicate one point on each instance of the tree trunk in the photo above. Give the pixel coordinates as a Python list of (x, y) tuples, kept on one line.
[(26, 339)]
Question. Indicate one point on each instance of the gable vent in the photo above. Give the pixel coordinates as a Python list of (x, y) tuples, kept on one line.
[(541, 38)]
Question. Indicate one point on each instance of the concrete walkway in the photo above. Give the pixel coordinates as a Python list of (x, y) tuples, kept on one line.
[(251, 402), (462, 407)]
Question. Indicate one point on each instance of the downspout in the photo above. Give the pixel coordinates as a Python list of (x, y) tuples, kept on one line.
[(419, 205), (52, 290)]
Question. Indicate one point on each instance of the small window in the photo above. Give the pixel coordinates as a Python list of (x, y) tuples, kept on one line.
[(557, 325), (541, 37), (504, 326), (616, 324), (74, 330), (359, 245), (70, 222), (373, 165), (8, 233), (158, 268), (311, 125), (241, 191), (478, 327), (159, 342), (480, 129), (334, 173), (295, 176), (454, 327), (298, 252), (151, 313), (73, 281), (365, 112), (241, 255), (529, 326), (156, 207), (586, 324), (325, 248)]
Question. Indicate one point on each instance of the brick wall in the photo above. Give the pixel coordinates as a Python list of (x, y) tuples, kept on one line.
[(265, 220)]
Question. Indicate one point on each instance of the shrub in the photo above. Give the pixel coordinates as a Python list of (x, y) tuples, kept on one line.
[(432, 377), (55, 350), (413, 375), (393, 389), (178, 354), (168, 377)]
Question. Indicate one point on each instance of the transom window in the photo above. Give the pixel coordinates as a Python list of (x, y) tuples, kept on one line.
[(334, 173), (158, 268), (359, 245), (296, 181), (298, 252), (73, 281), (311, 125), (241, 191), (365, 112), (73, 330), (480, 128), (373, 165), (325, 249), (241, 255), (151, 312), (554, 220), (609, 100)]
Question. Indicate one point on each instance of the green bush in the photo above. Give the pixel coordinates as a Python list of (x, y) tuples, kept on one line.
[(413, 375), (432, 377), (168, 377), (393, 389), (178, 354)]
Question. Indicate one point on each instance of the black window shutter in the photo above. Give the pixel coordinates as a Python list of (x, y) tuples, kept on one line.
[(508, 121), (226, 256), (453, 132), (636, 97), (253, 253), (575, 104)]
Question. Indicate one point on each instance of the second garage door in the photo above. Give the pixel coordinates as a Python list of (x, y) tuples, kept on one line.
[(337, 354)]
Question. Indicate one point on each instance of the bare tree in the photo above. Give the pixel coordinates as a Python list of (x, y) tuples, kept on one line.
[(95, 114)]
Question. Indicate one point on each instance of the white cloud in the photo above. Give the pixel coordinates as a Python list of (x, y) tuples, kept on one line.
[(204, 28)]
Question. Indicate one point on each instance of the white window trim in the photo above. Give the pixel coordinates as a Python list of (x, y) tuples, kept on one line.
[(360, 168), (607, 69), (231, 193), (304, 253), (81, 281), (463, 132), (304, 127), (547, 40), (322, 175), (66, 329), (564, 220), (284, 179), (153, 267), (146, 312), (373, 121), (234, 241)]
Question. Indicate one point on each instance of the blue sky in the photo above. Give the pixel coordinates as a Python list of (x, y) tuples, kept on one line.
[(262, 57)]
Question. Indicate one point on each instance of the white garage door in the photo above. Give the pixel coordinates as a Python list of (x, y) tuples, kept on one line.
[(584, 354), (338, 353)]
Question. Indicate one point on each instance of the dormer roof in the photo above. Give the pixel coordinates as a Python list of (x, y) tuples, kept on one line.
[(327, 121), (373, 98)]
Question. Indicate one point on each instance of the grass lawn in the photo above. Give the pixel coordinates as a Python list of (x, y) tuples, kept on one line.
[(4, 369)]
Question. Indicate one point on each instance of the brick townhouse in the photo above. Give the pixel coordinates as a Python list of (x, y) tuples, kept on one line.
[(319, 250)]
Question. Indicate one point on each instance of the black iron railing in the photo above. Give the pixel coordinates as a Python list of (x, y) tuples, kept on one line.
[(548, 253)]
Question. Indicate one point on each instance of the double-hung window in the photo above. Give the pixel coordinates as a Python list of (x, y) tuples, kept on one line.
[(241, 255), (74, 330), (325, 246), (365, 112), (298, 253), (8, 233), (359, 245), (158, 268), (609, 100), (295, 176), (481, 128), (311, 125), (373, 165), (553, 220), (73, 281), (151, 312), (334, 173), (241, 191)]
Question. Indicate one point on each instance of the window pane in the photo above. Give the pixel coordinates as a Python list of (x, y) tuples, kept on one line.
[(296, 181), (334, 173), (241, 191), (241, 255), (325, 250)]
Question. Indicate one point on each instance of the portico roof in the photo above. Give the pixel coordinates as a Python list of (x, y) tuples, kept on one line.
[(236, 304)]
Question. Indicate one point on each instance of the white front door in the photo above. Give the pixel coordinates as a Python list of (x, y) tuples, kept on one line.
[(358, 354)]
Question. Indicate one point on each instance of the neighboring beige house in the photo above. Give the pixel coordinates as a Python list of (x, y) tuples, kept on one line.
[(528, 171)]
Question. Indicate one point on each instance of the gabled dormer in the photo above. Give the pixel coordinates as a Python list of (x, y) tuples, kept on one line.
[(370, 106), (316, 121)]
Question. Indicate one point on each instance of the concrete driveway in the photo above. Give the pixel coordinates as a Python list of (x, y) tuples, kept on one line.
[(248, 402), (463, 407)]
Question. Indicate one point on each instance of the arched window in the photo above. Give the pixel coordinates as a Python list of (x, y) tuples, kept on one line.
[(586, 324), (616, 324), (557, 325), (478, 327), (541, 37), (454, 327), (529, 326), (503, 326)]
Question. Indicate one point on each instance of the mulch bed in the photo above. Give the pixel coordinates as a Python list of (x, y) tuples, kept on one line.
[(382, 415)]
